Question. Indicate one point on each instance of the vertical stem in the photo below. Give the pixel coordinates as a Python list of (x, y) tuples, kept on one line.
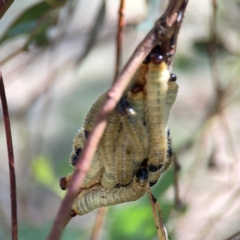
[(121, 25), (176, 168), (13, 194), (100, 219), (157, 218)]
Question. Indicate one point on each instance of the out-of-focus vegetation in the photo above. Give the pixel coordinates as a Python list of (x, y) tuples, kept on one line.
[(57, 57)]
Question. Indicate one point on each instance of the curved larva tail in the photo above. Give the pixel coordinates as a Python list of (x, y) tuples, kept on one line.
[(98, 196)]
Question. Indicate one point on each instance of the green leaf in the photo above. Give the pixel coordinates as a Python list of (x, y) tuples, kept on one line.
[(44, 174), (27, 21), (128, 223)]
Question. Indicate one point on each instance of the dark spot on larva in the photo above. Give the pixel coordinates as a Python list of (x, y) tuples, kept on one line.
[(153, 168), (103, 196), (144, 123), (128, 152), (169, 151), (86, 133), (74, 160), (142, 174), (75, 156), (78, 151), (144, 162), (168, 133), (173, 77), (136, 88), (152, 183), (118, 185), (123, 106)]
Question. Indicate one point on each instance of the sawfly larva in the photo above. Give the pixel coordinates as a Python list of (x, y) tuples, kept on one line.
[(158, 102), (98, 196), (123, 159)]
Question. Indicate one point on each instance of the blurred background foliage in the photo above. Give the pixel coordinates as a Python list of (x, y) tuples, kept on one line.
[(58, 56)]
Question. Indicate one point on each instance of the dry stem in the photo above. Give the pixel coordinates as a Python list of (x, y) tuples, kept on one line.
[(13, 193)]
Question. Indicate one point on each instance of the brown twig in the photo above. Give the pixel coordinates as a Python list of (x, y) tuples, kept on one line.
[(121, 25), (176, 166), (157, 217), (99, 223), (162, 31), (13, 193), (4, 5), (101, 214), (212, 47)]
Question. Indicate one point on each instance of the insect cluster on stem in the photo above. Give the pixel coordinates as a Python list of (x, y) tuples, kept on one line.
[(135, 148)]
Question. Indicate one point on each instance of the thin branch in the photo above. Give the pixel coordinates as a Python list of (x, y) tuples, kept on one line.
[(13, 193), (4, 5), (157, 218), (176, 166), (99, 223), (212, 47), (161, 32), (101, 214), (121, 25)]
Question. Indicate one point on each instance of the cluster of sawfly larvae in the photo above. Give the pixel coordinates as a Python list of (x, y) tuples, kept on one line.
[(135, 148)]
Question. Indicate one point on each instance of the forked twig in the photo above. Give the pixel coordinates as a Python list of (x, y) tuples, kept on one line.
[(164, 29), (13, 193), (157, 215)]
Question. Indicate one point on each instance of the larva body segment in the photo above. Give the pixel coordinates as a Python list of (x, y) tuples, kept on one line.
[(107, 144), (98, 196), (123, 159), (96, 170), (94, 110), (156, 119)]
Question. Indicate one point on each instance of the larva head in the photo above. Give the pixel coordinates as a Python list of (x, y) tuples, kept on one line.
[(173, 77), (142, 174), (158, 55), (78, 144)]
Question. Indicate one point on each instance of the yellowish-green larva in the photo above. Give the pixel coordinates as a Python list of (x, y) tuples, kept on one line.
[(108, 145), (123, 159), (158, 102)]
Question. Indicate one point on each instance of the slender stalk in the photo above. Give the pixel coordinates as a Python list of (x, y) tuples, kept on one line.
[(12, 176), (99, 223), (157, 217), (121, 25)]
